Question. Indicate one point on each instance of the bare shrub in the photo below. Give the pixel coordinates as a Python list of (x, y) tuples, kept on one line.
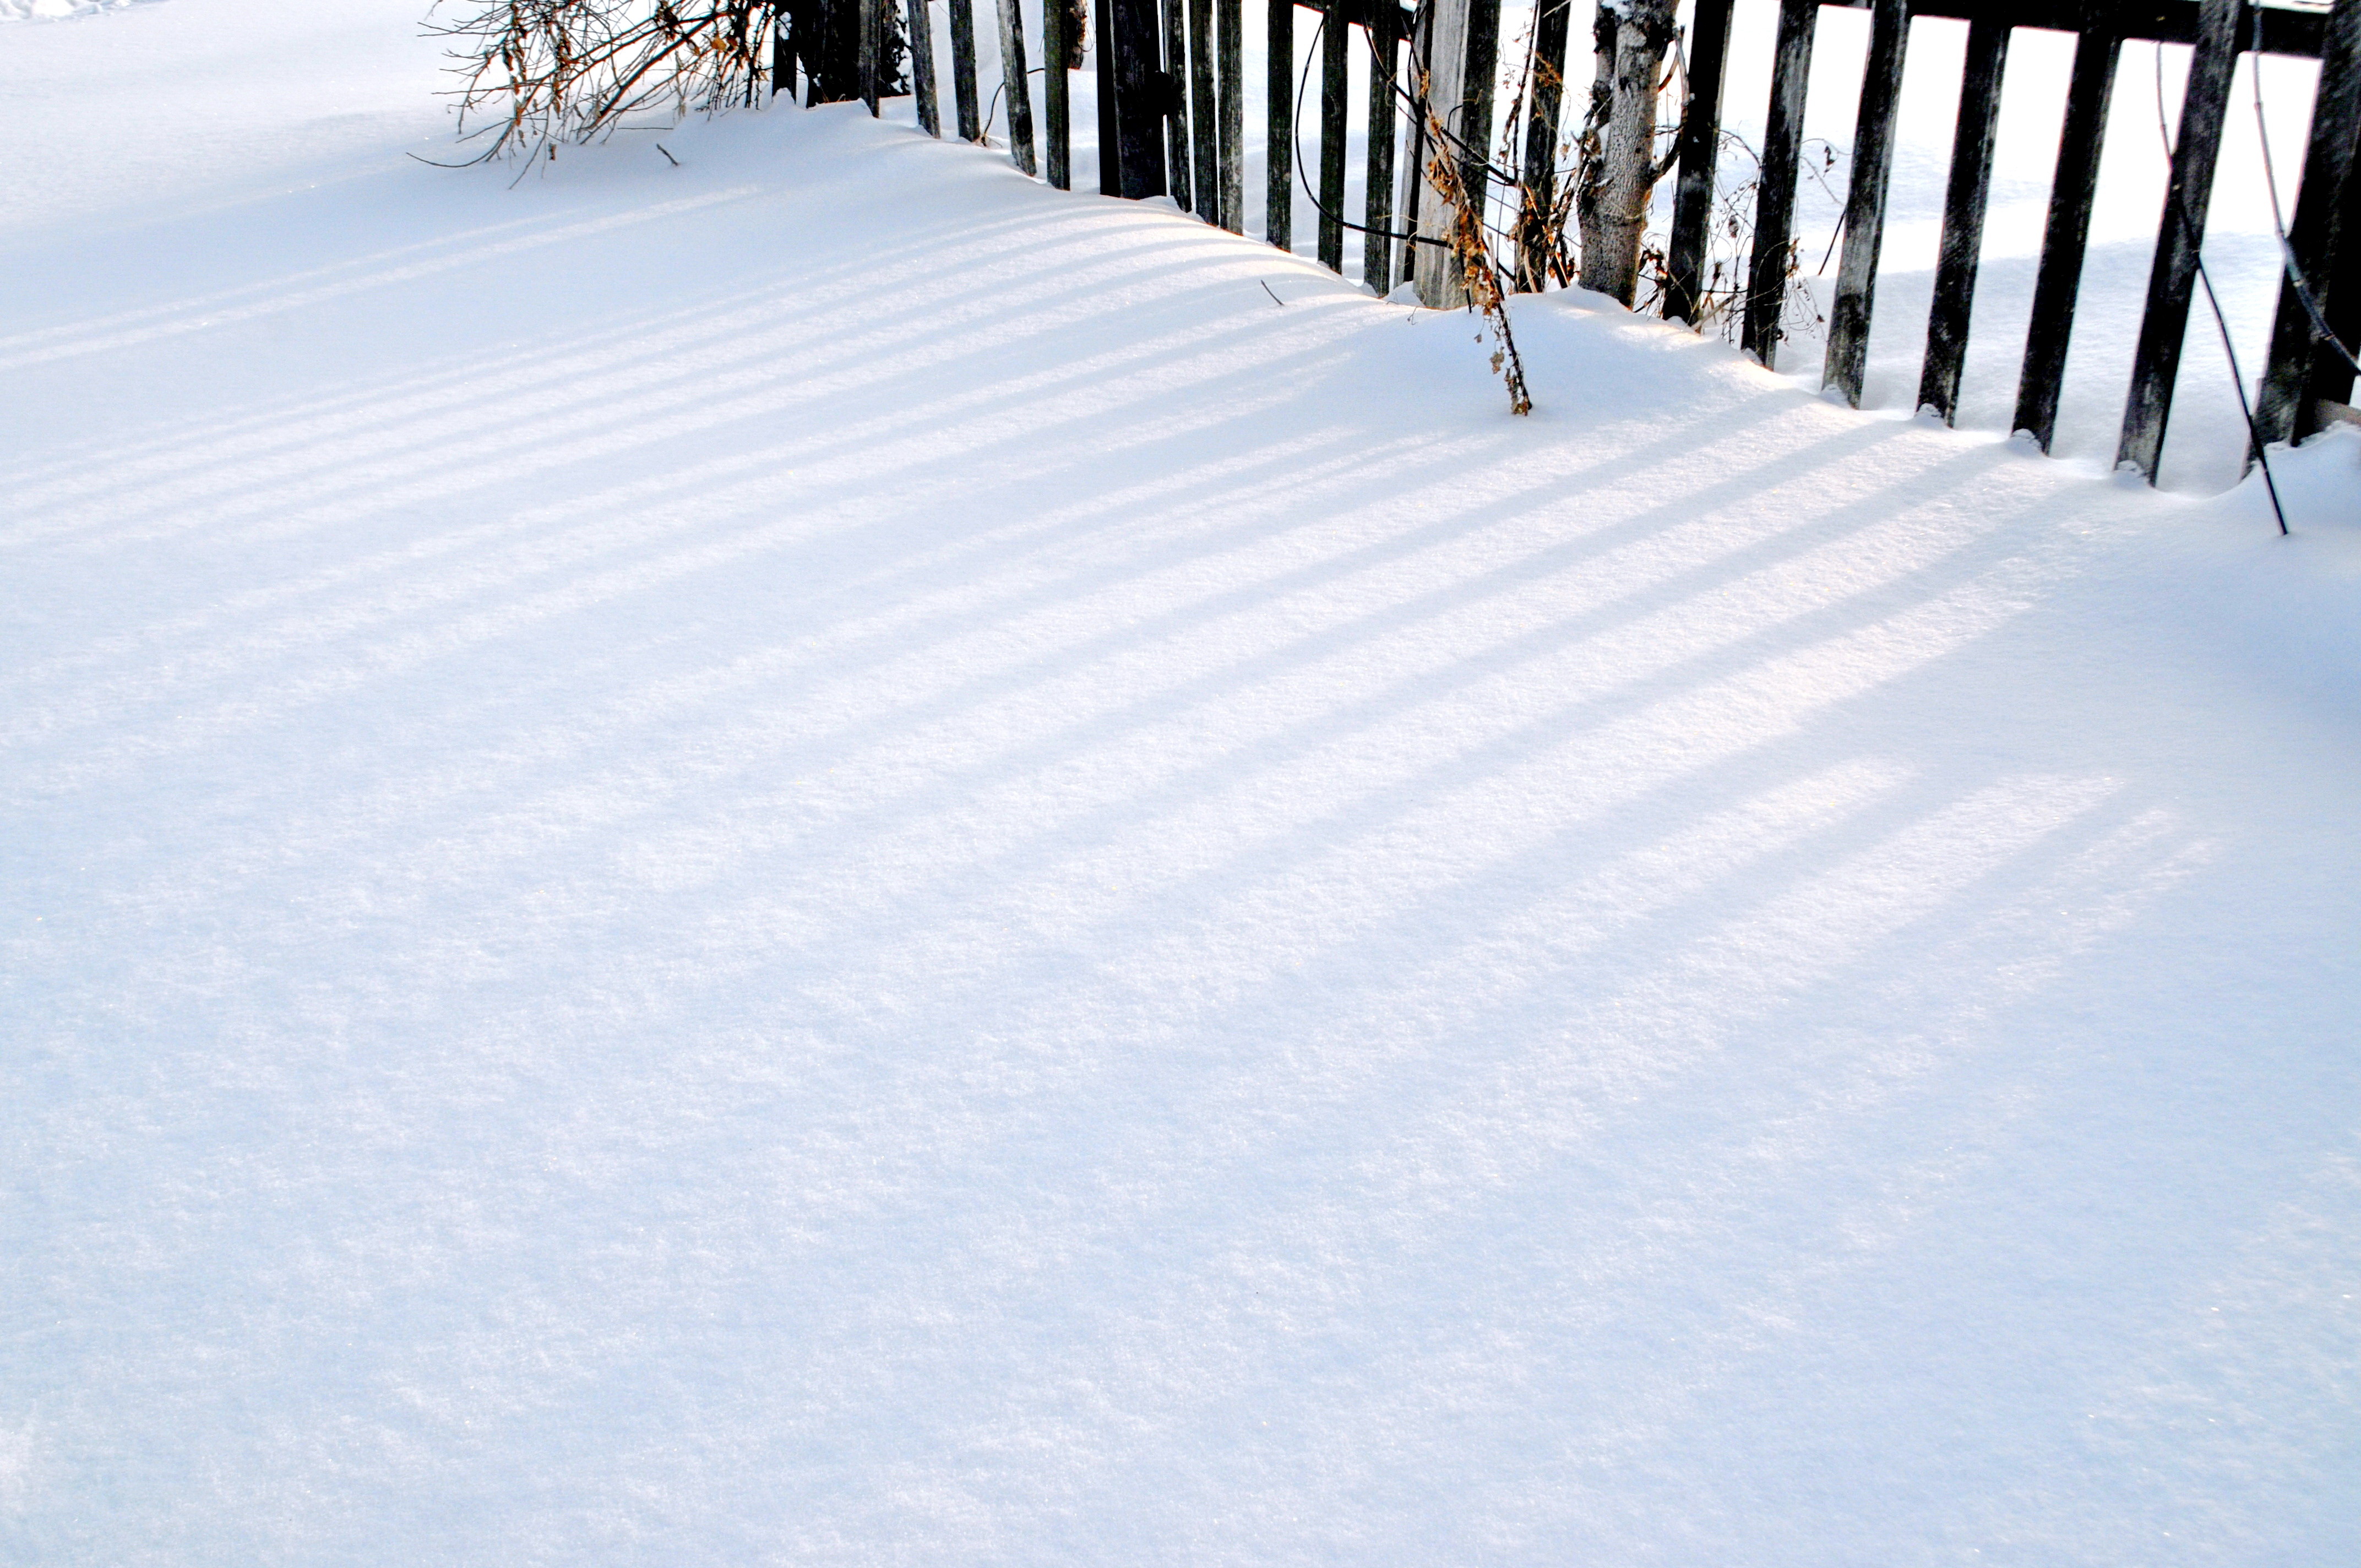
[(537, 72)]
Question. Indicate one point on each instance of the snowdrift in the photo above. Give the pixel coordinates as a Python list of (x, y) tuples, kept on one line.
[(820, 856)]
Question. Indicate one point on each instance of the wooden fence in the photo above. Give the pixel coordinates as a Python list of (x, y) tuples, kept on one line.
[(1172, 117)]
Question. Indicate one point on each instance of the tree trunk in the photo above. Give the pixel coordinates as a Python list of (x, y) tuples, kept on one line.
[(1618, 143)]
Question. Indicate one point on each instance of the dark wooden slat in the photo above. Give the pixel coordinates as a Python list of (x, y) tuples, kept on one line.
[(872, 23), (1964, 200), (1700, 146), (1176, 104), (1230, 104), (1012, 81), (1014, 87), (2156, 363), (1139, 95), (1110, 143), (1864, 215), (2282, 409), (1416, 150), (2332, 377), (1335, 37), (1775, 200), (1377, 208), (1057, 104), (922, 66), (1537, 194), (1279, 154), (2066, 236), (1203, 116), (1473, 124), (963, 95), (782, 55), (829, 35)]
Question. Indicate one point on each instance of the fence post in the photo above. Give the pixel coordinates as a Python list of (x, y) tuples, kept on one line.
[(1774, 198), (1537, 195), (1466, 51), (1700, 146), (1864, 216), (1964, 200), (2282, 409), (2156, 364), (1012, 81)]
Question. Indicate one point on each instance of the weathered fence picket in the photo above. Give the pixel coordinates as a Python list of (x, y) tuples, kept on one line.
[(1965, 196), (1230, 104), (1278, 102), (1335, 37), (1177, 150), (2331, 375), (1110, 166), (2066, 237), (1141, 96), (1864, 215), (1775, 209), (963, 93), (2282, 409), (1461, 60), (1699, 148), (2189, 192), (1377, 208), (922, 66), (870, 20), (1204, 159), (1057, 101), (1538, 200), (1013, 83)]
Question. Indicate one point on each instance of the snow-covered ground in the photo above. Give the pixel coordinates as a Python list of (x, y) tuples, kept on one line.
[(57, 10), (820, 856)]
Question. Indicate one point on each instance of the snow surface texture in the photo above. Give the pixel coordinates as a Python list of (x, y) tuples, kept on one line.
[(57, 10), (824, 858)]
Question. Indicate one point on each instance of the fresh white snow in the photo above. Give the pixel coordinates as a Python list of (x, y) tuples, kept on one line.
[(824, 858)]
